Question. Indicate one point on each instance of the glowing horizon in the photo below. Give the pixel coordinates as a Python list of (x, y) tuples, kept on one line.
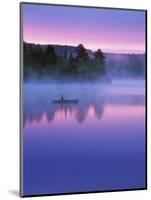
[(115, 31)]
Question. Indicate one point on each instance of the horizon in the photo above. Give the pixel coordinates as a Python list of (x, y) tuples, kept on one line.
[(120, 53), (111, 30)]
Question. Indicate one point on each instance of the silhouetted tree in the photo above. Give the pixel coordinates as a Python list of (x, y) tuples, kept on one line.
[(51, 56), (99, 56), (65, 53), (38, 55), (100, 60), (81, 53)]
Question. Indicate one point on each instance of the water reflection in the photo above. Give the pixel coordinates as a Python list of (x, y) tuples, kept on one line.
[(36, 108), (97, 144)]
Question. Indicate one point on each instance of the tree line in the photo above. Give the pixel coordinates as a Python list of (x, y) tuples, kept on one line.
[(78, 66)]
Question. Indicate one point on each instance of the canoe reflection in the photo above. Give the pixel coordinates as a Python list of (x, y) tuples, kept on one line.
[(35, 109)]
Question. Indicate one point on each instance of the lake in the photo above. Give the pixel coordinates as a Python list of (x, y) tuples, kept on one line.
[(95, 145)]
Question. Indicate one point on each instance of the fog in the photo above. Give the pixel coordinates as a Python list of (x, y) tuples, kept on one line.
[(38, 97)]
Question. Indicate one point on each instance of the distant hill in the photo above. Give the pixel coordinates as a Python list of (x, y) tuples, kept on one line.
[(61, 49), (118, 65)]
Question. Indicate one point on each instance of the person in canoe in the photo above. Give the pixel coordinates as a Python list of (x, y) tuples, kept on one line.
[(66, 101)]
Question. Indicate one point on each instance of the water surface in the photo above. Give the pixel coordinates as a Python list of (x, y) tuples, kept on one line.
[(97, 144)]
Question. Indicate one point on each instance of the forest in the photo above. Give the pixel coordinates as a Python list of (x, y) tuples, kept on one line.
[(78, 63)]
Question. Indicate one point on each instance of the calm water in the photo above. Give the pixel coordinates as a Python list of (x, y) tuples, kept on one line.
[(98, 144)]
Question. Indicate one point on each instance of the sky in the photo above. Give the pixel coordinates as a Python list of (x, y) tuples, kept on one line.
[(112, 30)]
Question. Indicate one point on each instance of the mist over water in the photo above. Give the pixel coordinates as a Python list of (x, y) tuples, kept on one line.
[(38, 97), (96, 144)]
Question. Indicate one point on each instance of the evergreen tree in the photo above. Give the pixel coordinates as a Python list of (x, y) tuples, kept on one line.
[(81, 53), (99, 56), (65, 53), (99, 61), (51, 56)]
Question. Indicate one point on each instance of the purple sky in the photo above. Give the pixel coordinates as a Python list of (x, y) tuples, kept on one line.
[(120, 31)]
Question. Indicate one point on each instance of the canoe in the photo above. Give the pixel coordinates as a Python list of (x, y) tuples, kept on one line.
[(73, 101)]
